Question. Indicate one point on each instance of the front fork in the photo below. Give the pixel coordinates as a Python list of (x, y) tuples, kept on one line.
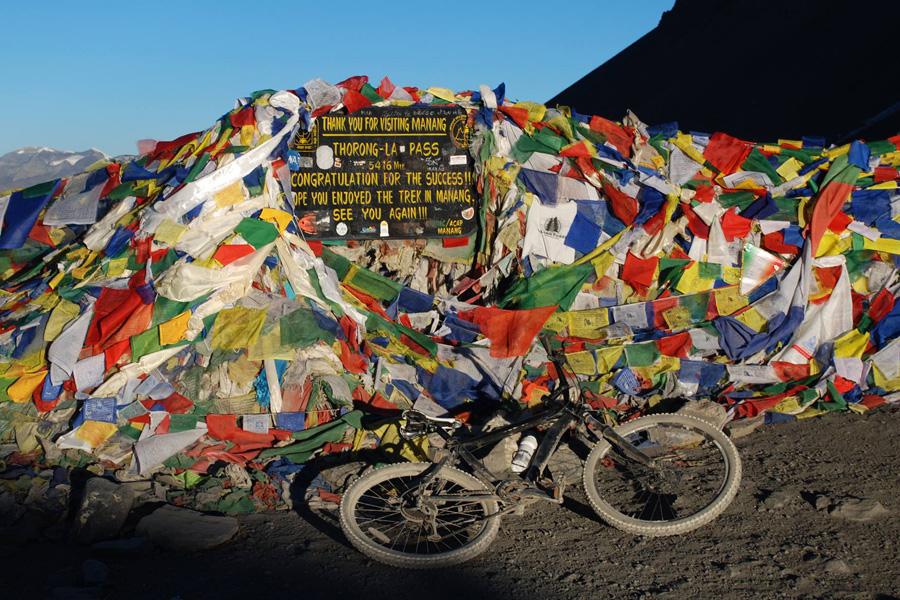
[(620, 444)]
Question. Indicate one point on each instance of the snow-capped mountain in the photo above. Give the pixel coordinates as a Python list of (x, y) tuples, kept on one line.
[(28, 166)]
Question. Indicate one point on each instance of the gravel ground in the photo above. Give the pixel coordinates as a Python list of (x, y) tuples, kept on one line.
[(773, 542)]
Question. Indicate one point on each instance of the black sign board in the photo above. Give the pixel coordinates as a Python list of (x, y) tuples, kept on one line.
[(385, 172)]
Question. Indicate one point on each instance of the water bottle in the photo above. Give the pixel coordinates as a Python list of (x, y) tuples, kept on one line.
[(527, 446)]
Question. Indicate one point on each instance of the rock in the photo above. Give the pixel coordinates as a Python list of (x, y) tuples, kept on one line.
[(742, 427), (341, 476), (709, 411), (94, 572), (10, 510), (778, 499), (499, 459), (124, 547), (858, 509), (565, 462), (186, 530), (836, 566), (570, 578), (104, 507), (822, 502)]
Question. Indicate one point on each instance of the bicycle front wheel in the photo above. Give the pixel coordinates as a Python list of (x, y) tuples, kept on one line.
[(696, 475), (383, 517)]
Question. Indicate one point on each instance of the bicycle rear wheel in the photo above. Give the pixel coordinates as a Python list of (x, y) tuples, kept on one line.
[(380, 517), (697, 476)]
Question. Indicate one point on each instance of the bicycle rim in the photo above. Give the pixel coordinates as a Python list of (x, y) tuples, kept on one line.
[(691, 473), (381, 516)]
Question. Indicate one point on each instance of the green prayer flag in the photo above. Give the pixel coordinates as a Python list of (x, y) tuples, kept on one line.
[(757, 162), (554, 285), (641, 355), (300, 329), (309, 441), (257, 233), (373, 284)]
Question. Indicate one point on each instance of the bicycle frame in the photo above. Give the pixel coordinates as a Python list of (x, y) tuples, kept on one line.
[(561, 411)]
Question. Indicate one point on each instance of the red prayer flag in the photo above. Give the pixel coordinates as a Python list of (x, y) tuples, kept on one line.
[(697, 225), (735, 226), (623, 206), (354, 83), (726, 153), (519, 115), (244, 117), (639, 272), (620, 137), (678, 345), (511, 332), (385, 88), (229, 253), (829, 203), (579, 148), (354, 101)]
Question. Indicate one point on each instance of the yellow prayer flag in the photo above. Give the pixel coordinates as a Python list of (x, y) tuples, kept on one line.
[(279, 218), (607, 358), (116, 266), (237, 328), (691, 281), (24, 387), (882, 244), (731, 275), (678, 317), (64, 312), (684, 143), (851, 345), (587, 323), (169, 232), (556, 322), (788, 169), (752, 319), (535, 111), (230, 195), (832, 244), (883, 382), (582, 363), (811, 412), (56, 279), (884, 185), (833, 153), (442, 93), (602, 263), (173, 330), (95, 433), (729, 300), (858, 408)]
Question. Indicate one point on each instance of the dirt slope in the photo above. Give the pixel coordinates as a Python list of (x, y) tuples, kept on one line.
[(771, 543)]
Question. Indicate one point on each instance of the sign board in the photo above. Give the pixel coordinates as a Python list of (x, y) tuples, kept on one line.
[(385, 172)]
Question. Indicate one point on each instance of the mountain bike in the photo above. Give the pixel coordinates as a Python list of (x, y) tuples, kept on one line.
[(656, 475)]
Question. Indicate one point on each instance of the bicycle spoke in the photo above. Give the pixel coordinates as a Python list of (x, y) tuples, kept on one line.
[(689, 472)]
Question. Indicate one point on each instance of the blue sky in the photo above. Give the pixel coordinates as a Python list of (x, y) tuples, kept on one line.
[(80, 74)]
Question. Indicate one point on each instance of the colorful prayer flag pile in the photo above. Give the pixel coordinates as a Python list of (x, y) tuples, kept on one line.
[(164, 316)]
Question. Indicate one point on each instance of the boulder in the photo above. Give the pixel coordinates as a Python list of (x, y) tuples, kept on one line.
[(186, 530), (104, 507), (858, 509), (742, 427), (709, 411)]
